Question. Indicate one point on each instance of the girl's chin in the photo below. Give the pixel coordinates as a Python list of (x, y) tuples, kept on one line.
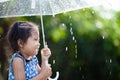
[(36, 52)]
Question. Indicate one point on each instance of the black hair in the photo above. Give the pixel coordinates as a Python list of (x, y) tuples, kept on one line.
[(19, 30)]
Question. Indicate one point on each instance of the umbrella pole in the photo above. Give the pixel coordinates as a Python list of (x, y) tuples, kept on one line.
[(43, 33)]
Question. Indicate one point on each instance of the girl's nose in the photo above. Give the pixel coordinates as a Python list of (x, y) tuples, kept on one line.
[(38, 44)]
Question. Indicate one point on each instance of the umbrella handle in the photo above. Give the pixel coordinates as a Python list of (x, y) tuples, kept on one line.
[(56, 78), (56, 73)]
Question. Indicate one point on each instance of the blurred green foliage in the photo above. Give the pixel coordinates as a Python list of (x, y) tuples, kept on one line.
[(84, 45)]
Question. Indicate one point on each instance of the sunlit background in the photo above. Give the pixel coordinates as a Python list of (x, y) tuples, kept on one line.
[(85, 43)]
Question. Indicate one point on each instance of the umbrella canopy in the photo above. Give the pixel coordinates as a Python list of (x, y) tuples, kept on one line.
[(3, 0), (13, 8)]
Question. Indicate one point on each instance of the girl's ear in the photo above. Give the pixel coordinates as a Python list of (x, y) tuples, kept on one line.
[(20, 43)]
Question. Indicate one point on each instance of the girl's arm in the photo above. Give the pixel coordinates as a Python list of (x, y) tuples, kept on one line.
[(19, 73), (18, 68), (44, 72), (39, 68)]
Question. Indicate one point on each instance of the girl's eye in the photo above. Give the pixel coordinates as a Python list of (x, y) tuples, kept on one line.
[(36, 39)]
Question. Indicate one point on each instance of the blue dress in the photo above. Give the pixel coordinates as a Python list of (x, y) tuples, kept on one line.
[(29, 66)]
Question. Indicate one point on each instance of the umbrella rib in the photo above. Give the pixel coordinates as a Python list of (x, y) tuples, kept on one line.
[(51, 8), (9, 5)]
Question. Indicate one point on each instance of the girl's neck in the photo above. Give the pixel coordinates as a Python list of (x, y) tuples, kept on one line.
[(27, 57)]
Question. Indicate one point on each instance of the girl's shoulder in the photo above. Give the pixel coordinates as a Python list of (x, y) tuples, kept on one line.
[(16, 55)]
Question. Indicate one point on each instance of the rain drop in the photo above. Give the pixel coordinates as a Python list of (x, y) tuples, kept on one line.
[(76, 51), (110, 73), (70, 24), (80, 68), (75, 41), (66, 48), (71, 31), (84, 9), (103, 37), (76, 56), (53, 15), (63, 26), (70, 17), (106, 61), (73, 38), (83, 77), (3, 5), (99, 24), (93, 12), (33, 3), (53, 61), (110, 60)]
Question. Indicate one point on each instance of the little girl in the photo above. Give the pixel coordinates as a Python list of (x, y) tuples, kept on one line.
[(24, 40)]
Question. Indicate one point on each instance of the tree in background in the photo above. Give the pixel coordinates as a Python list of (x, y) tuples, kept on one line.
[(84, 45)]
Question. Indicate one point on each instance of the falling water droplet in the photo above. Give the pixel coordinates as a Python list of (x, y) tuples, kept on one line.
[(75, 41), (76, 51), (110, 73), (76, 56), (83, 77), (99, 24), (53, 15), (80, 68), (70, 17), (103, 37), (33, 3), (93, 12), (70, 24), (3, 5), (53, 61), (106, 61), (71, 31), (66, 48), (73, 38), (110, 60), (84, 9), (63, 26)]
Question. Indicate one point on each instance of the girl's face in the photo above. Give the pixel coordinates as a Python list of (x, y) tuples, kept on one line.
[(31, 47)]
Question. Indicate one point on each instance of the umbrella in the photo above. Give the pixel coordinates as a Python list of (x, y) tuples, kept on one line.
[(3, 0), (14, 8)]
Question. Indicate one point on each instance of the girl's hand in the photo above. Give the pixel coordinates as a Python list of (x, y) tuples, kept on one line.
[(45, 53), (46, 71), (45, 67)]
